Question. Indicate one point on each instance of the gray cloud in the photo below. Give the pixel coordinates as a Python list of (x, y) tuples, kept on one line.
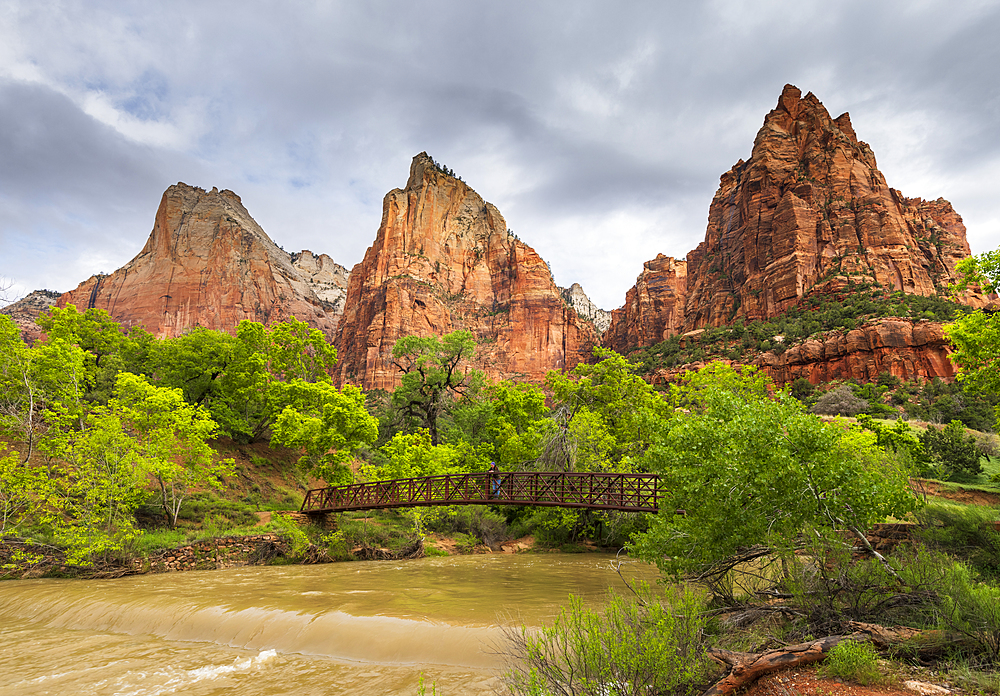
[(599, 130)]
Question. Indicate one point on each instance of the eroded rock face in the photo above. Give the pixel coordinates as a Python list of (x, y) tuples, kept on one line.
[(25, 311), (326, 278), (808, 208), (443, 259), (904, 348), (654, 307), (206, 263)]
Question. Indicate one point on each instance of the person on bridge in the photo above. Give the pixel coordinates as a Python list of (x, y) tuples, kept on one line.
[(494, 480)]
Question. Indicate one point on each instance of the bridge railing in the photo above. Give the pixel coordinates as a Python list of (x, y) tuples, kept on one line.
[(598, 491)]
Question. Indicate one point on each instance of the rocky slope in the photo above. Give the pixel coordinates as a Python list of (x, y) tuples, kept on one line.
[(208, 263), (25, 311), (443, 259), (809, 207)]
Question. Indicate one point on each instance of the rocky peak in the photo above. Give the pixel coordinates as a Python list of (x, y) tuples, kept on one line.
[(443, 259), (326, 278), (585, 308), (809, 208), (206, 263)]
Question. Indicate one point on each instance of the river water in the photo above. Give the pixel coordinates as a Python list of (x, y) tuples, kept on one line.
[(343, 628)]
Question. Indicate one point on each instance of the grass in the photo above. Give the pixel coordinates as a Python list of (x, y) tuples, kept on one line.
[(854, 661)]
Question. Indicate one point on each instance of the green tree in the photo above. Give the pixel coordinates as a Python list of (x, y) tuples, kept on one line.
[(194, 362), (504, 421), (751, 470), (171, 437), (955, 452), (51, 375), (101, 470), (606, 416), (330, 424), (22, 492), (976, 335), (434, 374)]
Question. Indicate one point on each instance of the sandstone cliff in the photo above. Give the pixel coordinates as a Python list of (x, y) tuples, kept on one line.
[(908, 349), (25, 311), (443, 259), (654, 307), (809, 207), (206, 263)]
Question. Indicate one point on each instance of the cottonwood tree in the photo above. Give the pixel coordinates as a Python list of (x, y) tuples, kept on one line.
[(605, 415), (330, 424), (751, 470), (435, 372), (976, 335)]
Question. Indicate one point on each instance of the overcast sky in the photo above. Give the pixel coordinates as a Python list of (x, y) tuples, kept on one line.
[(599, 130)]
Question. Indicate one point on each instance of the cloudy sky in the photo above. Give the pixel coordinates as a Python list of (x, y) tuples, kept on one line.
[(600, 130)]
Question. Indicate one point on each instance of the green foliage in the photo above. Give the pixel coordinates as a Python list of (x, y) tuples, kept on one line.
[(143, 432), (504, 422), (749, 469), (899, 439), (22, 489), (606, 416), (954, 452), (854, 661), (433, 376), (976, 335), (632, 646), (966, 532), (171, 436), (973, 609), (330, 424)]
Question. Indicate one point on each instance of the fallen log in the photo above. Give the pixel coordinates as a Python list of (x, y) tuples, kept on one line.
[(748, 667), (745, 668)]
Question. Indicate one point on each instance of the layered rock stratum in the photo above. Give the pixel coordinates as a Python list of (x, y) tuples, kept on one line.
[(208, 263), (908, 349), (809, 207), (25, 311), (443, 259)]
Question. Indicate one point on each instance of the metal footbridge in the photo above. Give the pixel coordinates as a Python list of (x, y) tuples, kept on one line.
[(593, 491)]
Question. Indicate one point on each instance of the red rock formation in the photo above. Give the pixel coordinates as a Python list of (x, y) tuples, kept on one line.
[(904, 348), (443, 259), (206, 263), (25, 311), (809, 207), (654, 307)]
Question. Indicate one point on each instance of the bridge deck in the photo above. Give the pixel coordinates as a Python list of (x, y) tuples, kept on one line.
[(596, 491)]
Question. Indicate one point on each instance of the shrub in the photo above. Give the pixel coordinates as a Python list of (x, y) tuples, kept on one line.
[(955, 452), (854, 661), (963, 531), (973, 609), (839, 402), (635, 645)]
